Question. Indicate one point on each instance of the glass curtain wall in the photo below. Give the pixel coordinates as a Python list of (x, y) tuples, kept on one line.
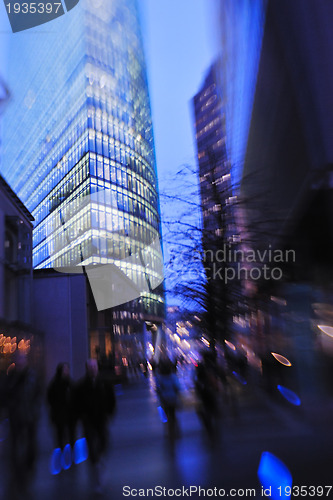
[(78, 144)]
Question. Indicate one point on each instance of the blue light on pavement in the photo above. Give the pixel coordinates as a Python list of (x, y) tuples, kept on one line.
[(66, 458), (55, 462), (162, 414), (289, 395), (80, 451), (274, 476)]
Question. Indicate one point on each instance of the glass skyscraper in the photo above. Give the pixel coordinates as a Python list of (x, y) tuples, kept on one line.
[(78, 146)]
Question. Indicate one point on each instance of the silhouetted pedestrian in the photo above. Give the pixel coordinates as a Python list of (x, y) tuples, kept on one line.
[(168, 389), (96, 403), (60, 397)]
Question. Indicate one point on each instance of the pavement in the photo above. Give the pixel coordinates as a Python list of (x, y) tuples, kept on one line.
[(139, 457)]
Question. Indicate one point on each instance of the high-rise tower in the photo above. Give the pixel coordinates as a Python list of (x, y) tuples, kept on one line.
[(78, 149)]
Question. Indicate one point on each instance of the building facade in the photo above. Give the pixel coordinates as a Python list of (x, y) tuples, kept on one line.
[(214, 167), (79, 152), (284, 162), (16, 326), (219, 232), (15, 257)]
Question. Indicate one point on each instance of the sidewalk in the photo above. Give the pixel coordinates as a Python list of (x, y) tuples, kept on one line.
[(139, 457)]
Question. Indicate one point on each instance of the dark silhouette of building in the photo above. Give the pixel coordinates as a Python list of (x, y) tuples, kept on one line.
[(219, 231)]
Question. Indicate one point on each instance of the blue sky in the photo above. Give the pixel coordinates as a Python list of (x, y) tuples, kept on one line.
[(179, 46)]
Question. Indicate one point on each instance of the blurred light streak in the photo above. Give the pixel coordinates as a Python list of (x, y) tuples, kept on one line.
[(205, 341), (66, 457), (229, 344), (162, 414), (80, 451), (55, 463), (274, 474), (10, 368), (239, 378), (277, 300), (328, 330), (193, 361), (281, 359), (242, 28), (289, 395)]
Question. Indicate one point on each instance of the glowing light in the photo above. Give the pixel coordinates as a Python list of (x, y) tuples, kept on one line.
[(162, 414), (281, 359), (149, 366), (193, 361), (205, 341), (289, 395), (21, 344), (10, 368), (328, 330), (80, 451), (229, 344), (151, 347), (13, 348), (55, 463), (277, 300), (24, 345), (239, 378), (66, 457), (274, 476)]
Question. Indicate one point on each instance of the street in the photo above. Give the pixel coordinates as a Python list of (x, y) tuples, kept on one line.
[(139, 456)]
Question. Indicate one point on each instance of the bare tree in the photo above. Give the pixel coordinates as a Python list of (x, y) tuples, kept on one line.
[(196, 273)]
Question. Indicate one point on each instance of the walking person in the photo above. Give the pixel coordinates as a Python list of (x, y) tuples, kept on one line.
[(96, 404), (60, 397), (168, 389)]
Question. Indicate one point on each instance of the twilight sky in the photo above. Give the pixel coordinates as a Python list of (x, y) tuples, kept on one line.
[(180, 44), (179, 47)]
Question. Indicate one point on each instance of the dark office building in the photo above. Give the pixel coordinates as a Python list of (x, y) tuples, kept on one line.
[(286, 169), (216, 192), (16, 330), (214, 168), (290, 144)]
